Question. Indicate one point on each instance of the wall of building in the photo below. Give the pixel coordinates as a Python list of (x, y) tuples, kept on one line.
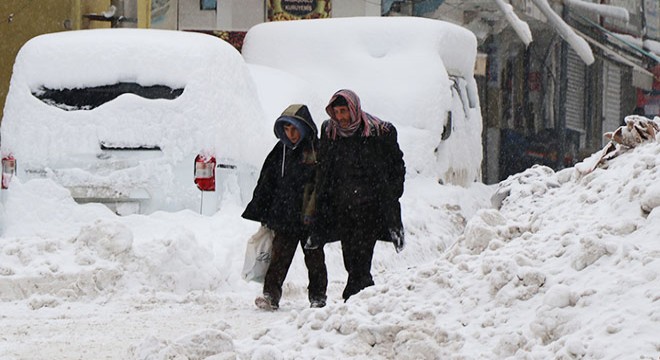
[(240, 15), (245, 14), (348, 8), (20, 21)]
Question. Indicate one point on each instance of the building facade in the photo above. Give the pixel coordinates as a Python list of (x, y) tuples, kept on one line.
[(541, 103), (228, 19)]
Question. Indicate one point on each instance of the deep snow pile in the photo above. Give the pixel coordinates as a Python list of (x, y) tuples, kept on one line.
[(567, 268), (54, 248), (140, 274)]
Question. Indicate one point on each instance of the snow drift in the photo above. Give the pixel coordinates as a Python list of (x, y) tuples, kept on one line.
[(565, 266)]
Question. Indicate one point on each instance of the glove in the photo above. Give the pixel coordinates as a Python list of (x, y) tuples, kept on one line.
[(313, 243), (398, 239)]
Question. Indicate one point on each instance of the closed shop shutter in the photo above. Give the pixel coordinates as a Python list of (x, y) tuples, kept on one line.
[(575, 94), (611, 97)]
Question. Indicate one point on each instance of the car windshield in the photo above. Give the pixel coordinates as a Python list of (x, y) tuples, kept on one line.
[(92, 97)]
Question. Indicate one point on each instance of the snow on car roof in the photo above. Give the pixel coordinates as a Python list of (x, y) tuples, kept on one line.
[(218, 109), (77, 59), (398, 66), (354, 39)]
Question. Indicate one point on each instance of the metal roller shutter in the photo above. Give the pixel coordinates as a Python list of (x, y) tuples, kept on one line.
[(575, 95), (611, 97)]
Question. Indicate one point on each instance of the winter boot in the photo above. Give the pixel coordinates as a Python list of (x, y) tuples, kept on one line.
[(317, 303), (266, 302)]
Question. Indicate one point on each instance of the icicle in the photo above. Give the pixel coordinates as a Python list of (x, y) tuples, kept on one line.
[(611, 11), (520, 27), (578, 44)]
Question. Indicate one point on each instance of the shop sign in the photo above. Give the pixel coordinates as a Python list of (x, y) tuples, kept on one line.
[(648, 102), (279, 10)]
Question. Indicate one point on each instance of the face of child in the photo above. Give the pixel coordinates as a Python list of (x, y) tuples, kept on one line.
[(292, 133), (342, 115)]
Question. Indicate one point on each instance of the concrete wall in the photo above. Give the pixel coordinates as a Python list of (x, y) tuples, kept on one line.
[(231, 15), (191, 17), (348, 8)]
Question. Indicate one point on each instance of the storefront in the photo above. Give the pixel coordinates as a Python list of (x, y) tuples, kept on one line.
[(648, 101)]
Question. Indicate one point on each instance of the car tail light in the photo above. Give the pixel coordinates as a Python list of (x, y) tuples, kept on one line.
[(8, 170), (205, 172)]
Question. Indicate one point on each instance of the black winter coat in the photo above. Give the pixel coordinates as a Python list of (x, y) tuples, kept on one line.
[(280, 194), (360, 173)]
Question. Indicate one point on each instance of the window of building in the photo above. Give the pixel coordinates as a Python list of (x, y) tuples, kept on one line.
[(208, 4)]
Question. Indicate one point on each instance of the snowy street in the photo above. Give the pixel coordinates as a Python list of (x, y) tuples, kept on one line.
[(567, 268), (543, 265)]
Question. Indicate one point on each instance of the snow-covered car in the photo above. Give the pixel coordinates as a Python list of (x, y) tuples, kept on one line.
[(135, 119), (414, 72)]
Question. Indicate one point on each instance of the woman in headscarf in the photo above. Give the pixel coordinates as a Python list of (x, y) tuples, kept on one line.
[(360, 182)]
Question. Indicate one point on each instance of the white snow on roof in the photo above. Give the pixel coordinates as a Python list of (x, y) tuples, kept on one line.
[(218, 110), (348, 43), (653, 46), (87, 58), (398, 66)]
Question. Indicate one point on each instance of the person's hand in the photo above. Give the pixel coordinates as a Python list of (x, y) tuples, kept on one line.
[(312, 243), (398, 239)]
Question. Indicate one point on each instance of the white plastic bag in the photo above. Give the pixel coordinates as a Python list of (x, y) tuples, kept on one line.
[(257, 255)]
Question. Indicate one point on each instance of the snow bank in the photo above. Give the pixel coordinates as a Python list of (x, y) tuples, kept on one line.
[(95, 253), (567, 268)]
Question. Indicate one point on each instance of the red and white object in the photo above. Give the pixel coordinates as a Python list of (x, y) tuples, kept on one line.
[(8, 170), (205, 172)]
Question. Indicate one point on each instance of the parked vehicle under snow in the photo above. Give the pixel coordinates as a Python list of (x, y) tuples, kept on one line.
[(118, 116)]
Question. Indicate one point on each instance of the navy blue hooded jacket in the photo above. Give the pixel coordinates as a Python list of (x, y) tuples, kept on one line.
[(283, 195)]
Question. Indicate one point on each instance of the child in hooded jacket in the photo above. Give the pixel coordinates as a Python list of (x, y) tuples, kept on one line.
[(283, 202)]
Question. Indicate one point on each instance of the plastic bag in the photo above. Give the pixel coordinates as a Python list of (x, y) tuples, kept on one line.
[(257, 255)]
